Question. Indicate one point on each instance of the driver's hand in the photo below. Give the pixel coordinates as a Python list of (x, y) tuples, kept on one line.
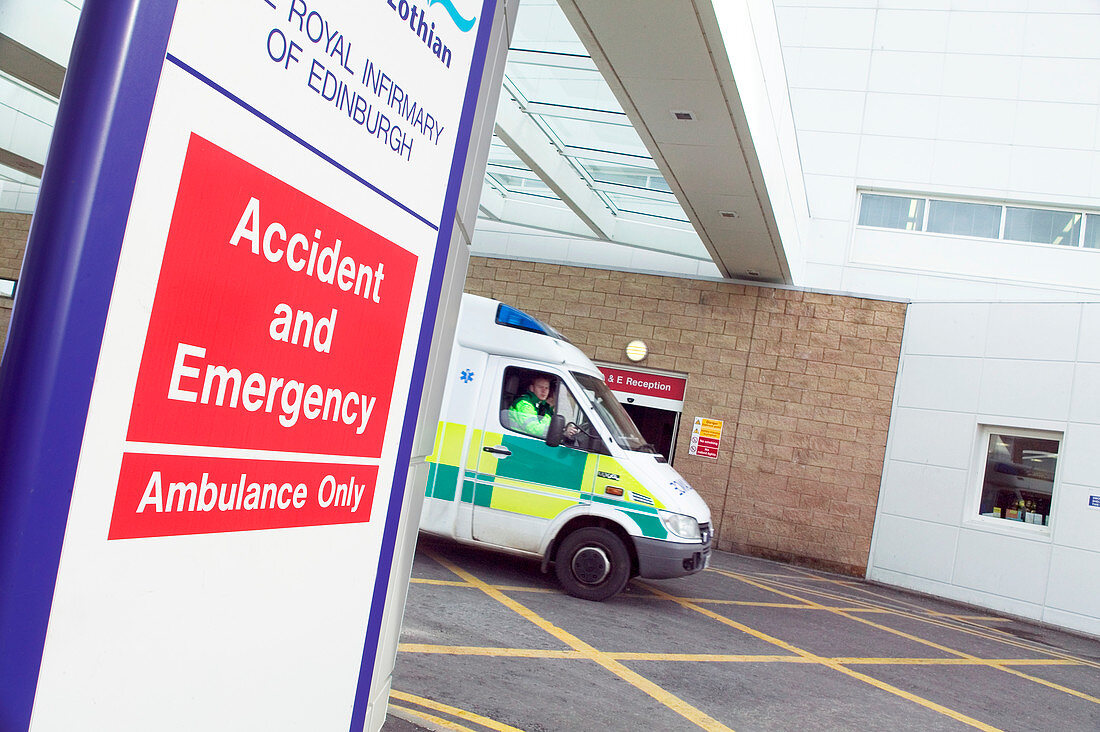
[(571, 430)]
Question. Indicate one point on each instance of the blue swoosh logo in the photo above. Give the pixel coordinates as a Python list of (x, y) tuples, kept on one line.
[(463, 24)]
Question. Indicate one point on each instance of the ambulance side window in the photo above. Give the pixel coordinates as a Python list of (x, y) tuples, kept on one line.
[(526, 400), (529, 398)]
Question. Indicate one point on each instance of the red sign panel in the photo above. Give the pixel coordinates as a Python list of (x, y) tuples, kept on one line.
[(704, 447), (172, 495), (277, 321), (276, 326), (646, 384)]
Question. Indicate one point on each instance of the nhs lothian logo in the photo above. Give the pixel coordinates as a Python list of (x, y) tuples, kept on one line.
[(461, 23), (416, 17)]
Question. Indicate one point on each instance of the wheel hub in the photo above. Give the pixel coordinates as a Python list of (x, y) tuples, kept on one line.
[(591, 565)]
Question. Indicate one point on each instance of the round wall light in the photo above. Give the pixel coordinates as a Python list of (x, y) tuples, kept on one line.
[(636, 350)]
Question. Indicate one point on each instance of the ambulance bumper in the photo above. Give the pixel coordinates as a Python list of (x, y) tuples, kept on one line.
[(659, 559)]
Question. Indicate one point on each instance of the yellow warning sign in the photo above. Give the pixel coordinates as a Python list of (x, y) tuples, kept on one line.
[(706, 435)]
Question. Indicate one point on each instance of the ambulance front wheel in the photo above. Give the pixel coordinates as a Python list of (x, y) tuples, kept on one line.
[(592, 564)]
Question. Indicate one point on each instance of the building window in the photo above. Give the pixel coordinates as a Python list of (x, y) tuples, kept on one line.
[(1030, 224), (891, 212), (1042, 226), (964, 219), (1091, 237), (1018, 478)]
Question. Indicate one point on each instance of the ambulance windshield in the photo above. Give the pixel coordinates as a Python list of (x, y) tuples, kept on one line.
[(616, 419)]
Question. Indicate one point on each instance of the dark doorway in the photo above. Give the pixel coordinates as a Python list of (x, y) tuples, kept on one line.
[(658, 426)]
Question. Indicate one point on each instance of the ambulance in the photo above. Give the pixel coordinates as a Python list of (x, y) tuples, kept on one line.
[(575, 485)]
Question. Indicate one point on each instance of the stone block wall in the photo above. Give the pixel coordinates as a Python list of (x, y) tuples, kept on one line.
[(802, 381), (14, 228)]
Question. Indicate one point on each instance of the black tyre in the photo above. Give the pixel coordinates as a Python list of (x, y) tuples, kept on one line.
[(592, 564)]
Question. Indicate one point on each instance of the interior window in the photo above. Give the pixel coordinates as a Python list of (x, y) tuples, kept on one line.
[(1018, 484)]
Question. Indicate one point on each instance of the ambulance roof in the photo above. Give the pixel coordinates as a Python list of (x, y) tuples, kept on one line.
[(495, 327)]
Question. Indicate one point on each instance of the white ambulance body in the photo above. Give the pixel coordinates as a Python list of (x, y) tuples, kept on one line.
[(580, 489)]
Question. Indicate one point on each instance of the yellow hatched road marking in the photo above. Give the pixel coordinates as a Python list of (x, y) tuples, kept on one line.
[(429, 648), (972, 661), (437, 721), (920, 615), (454, 711), (708, 601), (783, 605), (502, 588), (447, 583), (925, 641), (671, 701), (953, 616), (926, 703), (586, 656), (916, 612), (932, 644), (489, 651)]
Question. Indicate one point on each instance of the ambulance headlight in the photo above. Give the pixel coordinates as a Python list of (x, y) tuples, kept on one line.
[(683, 526)]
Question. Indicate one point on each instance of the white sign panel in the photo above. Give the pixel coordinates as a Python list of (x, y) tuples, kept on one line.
[(249, 408)]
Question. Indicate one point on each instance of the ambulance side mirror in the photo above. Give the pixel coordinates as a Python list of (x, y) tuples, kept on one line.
[(555, 431)]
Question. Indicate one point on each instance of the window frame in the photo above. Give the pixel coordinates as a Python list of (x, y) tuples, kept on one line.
[(929, 199), (973, 517)]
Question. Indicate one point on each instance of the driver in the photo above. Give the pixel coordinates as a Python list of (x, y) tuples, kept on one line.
[(531, 411)]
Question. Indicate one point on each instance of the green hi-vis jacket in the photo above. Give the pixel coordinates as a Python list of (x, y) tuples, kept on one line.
[(531, 416)]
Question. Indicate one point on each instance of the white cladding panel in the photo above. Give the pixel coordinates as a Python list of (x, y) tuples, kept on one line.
[(940, 382), (950, 329), (1078, 524), (987, 101), (965, 367), (1080, 460), (1072, 569), (930, 492), (1043, 332), (899, 536), (1086, 394), (1034, 389), (1089, 348), (932, 437), (1004, 565)]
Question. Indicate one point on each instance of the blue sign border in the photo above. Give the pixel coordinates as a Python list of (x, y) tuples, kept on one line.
[(56, 330)]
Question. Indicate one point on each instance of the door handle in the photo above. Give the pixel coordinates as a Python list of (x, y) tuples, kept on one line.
[(498, 450)]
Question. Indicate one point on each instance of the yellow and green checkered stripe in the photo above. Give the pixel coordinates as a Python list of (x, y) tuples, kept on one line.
[(537, 481), (445, 462)]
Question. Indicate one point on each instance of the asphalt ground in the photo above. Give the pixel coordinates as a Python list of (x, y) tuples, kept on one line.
[(490, 643)]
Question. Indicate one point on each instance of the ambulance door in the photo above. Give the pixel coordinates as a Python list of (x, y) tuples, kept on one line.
[(521, 483)]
